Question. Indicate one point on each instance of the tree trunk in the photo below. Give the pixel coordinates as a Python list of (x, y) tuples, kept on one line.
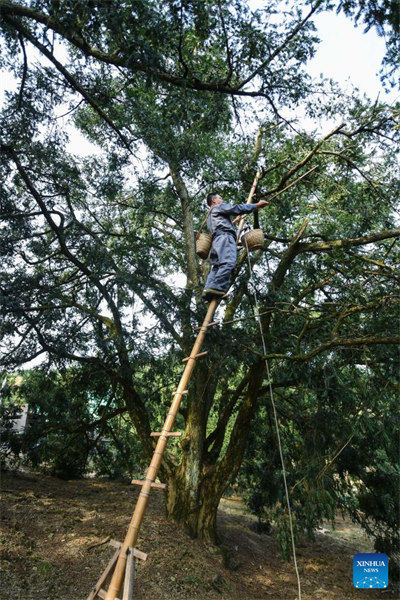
[(192, 499), (195, 490), (194, 507), (190, 246)]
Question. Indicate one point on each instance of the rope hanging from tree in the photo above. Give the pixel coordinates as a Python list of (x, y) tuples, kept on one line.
[(258, 319)]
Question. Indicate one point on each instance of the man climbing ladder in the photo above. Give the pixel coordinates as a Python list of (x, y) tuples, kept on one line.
[(223, 249)]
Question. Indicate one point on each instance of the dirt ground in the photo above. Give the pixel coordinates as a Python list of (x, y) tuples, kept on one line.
[(49, 525)]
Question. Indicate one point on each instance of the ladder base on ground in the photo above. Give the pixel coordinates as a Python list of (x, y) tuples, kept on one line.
[(133, 554)]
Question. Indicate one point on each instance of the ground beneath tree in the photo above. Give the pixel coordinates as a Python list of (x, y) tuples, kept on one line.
[(50, 529)]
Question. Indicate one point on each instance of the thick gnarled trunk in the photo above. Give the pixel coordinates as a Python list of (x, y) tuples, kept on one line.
[(195, 490), (194, 503)]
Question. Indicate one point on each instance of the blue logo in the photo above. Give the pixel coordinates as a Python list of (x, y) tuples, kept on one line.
[(370, 571)]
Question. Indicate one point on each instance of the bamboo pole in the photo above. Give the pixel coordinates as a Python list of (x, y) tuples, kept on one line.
[(248, 201), (141, 504)]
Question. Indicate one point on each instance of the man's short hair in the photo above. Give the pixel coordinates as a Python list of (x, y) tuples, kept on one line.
[(211, 197)]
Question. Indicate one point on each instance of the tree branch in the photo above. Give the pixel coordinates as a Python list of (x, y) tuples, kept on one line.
[(336, 343), (161, 316), (181, 189), (24, 72), (64, 248), (231, 461), (71, 80), (279, 49), (216, 437), (280, 188), (11, 8), (85, 426), (287, 258), (326, 246)]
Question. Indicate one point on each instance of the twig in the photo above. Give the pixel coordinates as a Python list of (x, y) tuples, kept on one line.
[(101, 543)]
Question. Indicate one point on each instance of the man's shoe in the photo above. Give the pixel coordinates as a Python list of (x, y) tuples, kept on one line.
[(210, 293)]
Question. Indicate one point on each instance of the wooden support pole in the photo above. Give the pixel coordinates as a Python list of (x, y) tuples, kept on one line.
[(141, 504), (129, 576), (136, 553), (95, 592)]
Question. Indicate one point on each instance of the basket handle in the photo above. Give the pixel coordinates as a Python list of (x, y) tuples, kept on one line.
[(203, 223)]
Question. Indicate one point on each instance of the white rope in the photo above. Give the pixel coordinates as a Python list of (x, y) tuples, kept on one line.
[(258, 319)]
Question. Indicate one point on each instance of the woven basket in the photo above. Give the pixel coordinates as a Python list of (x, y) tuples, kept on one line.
[(253, 240), (203, 245)]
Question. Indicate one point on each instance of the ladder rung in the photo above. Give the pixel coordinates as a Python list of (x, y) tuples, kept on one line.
[(209, 325), (102, 594), (195, 356), (136, 553), (180, 393), (158, 486), (139, 554), (167, 433)]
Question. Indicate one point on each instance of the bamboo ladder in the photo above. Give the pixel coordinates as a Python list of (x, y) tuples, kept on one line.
[(122, 564)]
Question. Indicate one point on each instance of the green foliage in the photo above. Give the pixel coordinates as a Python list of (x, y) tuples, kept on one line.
[(71, 428), (338, 430), (117, 454), (52, 401), (11, 442)]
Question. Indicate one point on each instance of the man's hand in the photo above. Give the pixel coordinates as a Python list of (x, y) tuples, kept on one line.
[(259, 204)]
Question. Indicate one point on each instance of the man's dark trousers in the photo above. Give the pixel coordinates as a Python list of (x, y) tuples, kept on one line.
[(223, 260)]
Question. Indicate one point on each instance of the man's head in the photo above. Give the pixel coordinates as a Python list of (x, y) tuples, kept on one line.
[(214, 198)]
